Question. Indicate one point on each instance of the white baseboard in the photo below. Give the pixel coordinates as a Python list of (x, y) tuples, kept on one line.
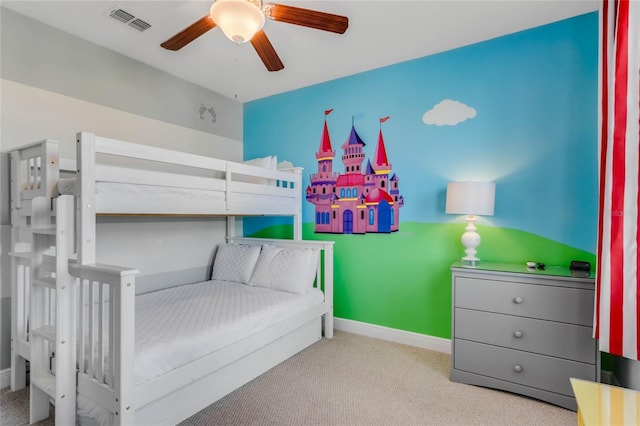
[(5, 378), (410, 338)]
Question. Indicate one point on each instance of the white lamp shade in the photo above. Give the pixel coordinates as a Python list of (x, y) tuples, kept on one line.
[(239, 20), (476, 198)]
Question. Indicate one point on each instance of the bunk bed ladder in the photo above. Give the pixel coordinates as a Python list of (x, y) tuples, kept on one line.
[(34, 173), (52, 316)]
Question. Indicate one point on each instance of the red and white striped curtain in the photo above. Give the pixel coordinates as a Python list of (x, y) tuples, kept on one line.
[(617, 312)]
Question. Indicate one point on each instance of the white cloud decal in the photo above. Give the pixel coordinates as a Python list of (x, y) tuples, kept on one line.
[(448, 113)]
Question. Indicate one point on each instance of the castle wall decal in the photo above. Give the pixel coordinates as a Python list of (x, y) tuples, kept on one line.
[(360, 200)]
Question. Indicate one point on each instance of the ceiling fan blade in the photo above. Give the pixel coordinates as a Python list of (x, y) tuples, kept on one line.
[(267, 53), (307, 18), (189, 34)]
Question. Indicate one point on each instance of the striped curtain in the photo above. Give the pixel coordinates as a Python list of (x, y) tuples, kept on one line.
[(617, 316)]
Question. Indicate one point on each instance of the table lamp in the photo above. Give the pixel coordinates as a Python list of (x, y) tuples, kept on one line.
[(471, 198)]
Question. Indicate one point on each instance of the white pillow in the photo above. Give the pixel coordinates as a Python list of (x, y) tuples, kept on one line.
[(285, 165), (287, 269), (262, 270), (235, 262), (266, 162)]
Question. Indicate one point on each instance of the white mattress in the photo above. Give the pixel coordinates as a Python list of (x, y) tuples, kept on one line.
[(178, 325)]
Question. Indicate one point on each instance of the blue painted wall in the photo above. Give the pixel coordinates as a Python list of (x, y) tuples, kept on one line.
[(534, 132)]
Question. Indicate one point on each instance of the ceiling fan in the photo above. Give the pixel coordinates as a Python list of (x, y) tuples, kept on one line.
[(242, 21)]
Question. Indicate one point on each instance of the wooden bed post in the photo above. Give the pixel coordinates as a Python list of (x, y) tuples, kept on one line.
[(124, 348), (86, 217), (231, 227), (50, 168), (18, 363), (297, 218), (328, 289)]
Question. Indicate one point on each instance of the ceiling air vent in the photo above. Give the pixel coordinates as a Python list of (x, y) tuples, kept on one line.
[(125, 17), (139, 24), (121, 15)]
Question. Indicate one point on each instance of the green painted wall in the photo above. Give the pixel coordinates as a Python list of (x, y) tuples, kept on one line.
[(371, 288)]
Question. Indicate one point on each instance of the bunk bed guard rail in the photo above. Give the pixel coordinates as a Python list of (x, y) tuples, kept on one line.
[(105, 336)]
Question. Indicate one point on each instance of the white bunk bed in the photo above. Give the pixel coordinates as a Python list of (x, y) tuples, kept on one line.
[(48, 283)]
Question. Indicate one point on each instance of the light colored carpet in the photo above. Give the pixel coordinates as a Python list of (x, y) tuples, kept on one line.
[(356, 380), (14, 409)]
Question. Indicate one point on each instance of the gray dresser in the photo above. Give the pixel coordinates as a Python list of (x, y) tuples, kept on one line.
[(523, 330)]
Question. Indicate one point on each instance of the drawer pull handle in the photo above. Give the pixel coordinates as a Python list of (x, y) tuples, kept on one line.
[(517, 368), (517, 300), (518, 333)]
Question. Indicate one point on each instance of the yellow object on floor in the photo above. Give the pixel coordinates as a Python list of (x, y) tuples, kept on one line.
[(602, 405)]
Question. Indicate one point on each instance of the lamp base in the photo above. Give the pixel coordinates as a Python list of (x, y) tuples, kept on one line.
[(470, 263), (471, 241)]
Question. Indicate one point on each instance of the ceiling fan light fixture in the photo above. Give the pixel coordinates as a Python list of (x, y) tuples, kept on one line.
[(239, 20)]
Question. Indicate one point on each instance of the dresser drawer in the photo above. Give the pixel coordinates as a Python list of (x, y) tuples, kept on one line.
[(554, 303), (538, 371), (568, 341)]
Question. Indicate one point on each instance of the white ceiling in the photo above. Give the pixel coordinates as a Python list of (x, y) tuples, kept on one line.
[(380, 33)]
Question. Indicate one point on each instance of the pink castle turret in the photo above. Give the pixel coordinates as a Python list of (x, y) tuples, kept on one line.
[(321, 191)]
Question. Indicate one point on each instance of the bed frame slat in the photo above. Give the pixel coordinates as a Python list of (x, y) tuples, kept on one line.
[(150, 153)]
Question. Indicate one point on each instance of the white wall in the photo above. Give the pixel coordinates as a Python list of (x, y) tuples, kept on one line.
[(84, 87), (30, 114), (151, 245), (44, 57)]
